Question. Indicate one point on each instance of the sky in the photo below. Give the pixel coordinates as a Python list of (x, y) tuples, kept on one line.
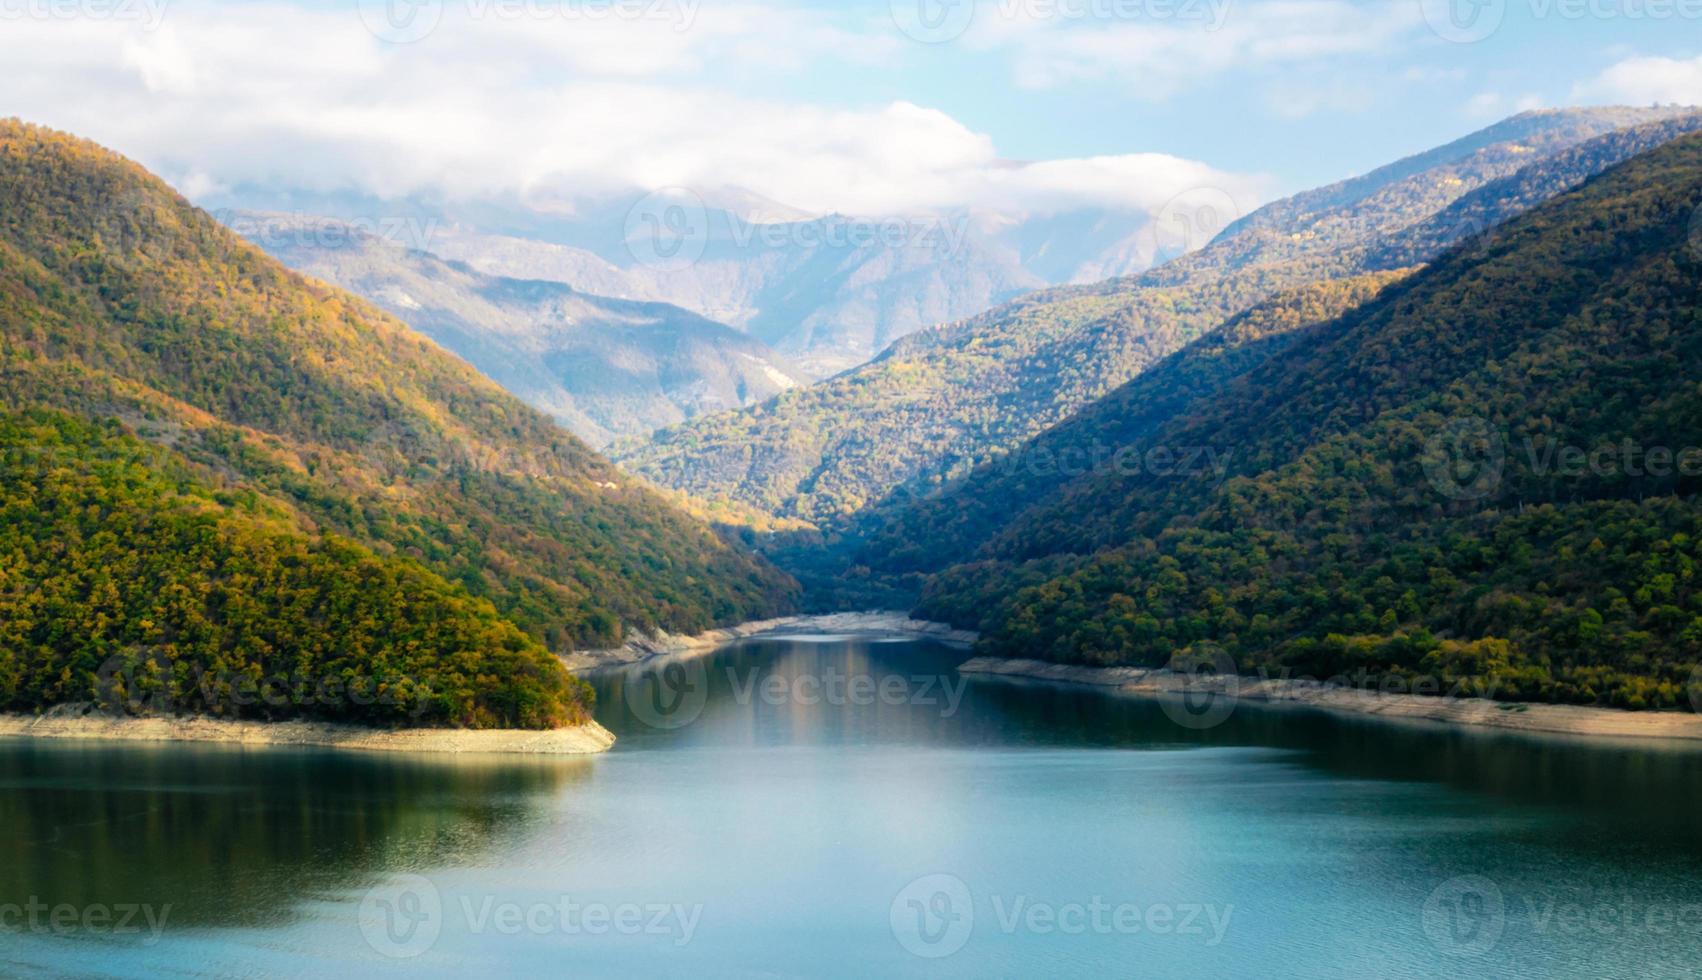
[(864, 108)]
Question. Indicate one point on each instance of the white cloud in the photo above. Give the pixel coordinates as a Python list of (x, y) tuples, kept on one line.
[(1646, 81), (1156, 58), (1494, 105), (310, 99)]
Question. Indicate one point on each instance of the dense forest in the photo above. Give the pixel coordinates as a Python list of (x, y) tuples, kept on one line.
[(940, 402), (1486, 474), (310, 440)]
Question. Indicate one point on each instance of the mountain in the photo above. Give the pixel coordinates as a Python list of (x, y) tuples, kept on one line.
[(905, 535), (829, 291), (1486, 475), (604, 368), (218, 472), (939, 402)]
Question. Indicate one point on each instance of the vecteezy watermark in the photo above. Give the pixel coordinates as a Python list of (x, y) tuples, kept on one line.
[(93, 919), (842, 689), (935, 916), (1470, 21), (149, 14), (1469, 916), (1202, 685), (275, 231), (1466, 458), (670, 229), (1465, 916), (1130, 459), (667, 694), (672, 694), (145, 682), (1189, 221), (1464, 21), (408, 21), (939, 21), (405, 917)]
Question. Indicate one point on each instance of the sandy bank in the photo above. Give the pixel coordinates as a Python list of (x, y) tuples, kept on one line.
[(868, 624), (73, 723), (1557, 719)]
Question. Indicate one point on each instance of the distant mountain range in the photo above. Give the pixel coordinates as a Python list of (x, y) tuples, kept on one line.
[(939, 402), (604, 368), (213, 471), (828, 292)]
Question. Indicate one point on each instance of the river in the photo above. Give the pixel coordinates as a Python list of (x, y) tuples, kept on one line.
[(840, 806)]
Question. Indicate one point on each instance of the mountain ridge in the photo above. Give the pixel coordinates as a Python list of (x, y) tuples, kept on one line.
[(604, 368)]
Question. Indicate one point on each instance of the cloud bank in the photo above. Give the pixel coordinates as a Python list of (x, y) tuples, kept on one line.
[(494, 103)]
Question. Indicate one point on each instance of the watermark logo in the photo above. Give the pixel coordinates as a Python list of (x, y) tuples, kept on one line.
[(147, 13), (137, 682), (1189, 221), (933, 916), (933, 21), (97, 919), (1204, 685), (275, 231), (1464, 21), (668, 229), (668, 695), (1464, 460), (403, 918), (1465, 916), (401, 21), (940, 21)]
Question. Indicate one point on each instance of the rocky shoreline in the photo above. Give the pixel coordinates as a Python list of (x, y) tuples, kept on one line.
[(877, 624), (1548, 719), (76, 723)]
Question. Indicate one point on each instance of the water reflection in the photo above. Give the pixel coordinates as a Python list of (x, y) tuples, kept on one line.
[(774, 692), (791, 789), (237, 838)]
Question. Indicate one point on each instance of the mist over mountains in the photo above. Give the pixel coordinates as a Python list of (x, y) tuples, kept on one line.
[(827, 291)]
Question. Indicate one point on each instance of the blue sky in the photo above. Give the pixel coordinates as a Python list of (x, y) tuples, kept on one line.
[(1027, 104)]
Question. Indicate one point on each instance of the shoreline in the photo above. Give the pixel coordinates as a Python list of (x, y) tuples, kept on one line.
[(1526, 717), (875, 624), (72, 724)]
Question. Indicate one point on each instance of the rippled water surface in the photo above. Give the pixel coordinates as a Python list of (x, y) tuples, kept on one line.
[(837, 806)]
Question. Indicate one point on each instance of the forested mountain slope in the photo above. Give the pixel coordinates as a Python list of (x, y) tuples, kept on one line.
[(927, 533), (604, 368), (1487, 474), (942, 401), (214, 465)]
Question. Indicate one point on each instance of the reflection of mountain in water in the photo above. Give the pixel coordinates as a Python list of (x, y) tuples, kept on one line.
[(1650, 791), (231, 837)]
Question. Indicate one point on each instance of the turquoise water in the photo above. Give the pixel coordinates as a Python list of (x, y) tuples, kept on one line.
[(841, 807)]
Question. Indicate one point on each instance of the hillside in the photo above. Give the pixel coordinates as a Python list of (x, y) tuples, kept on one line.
[(904, 535), (218, 469), (604, 368), (1485, 475), (939, 402)]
